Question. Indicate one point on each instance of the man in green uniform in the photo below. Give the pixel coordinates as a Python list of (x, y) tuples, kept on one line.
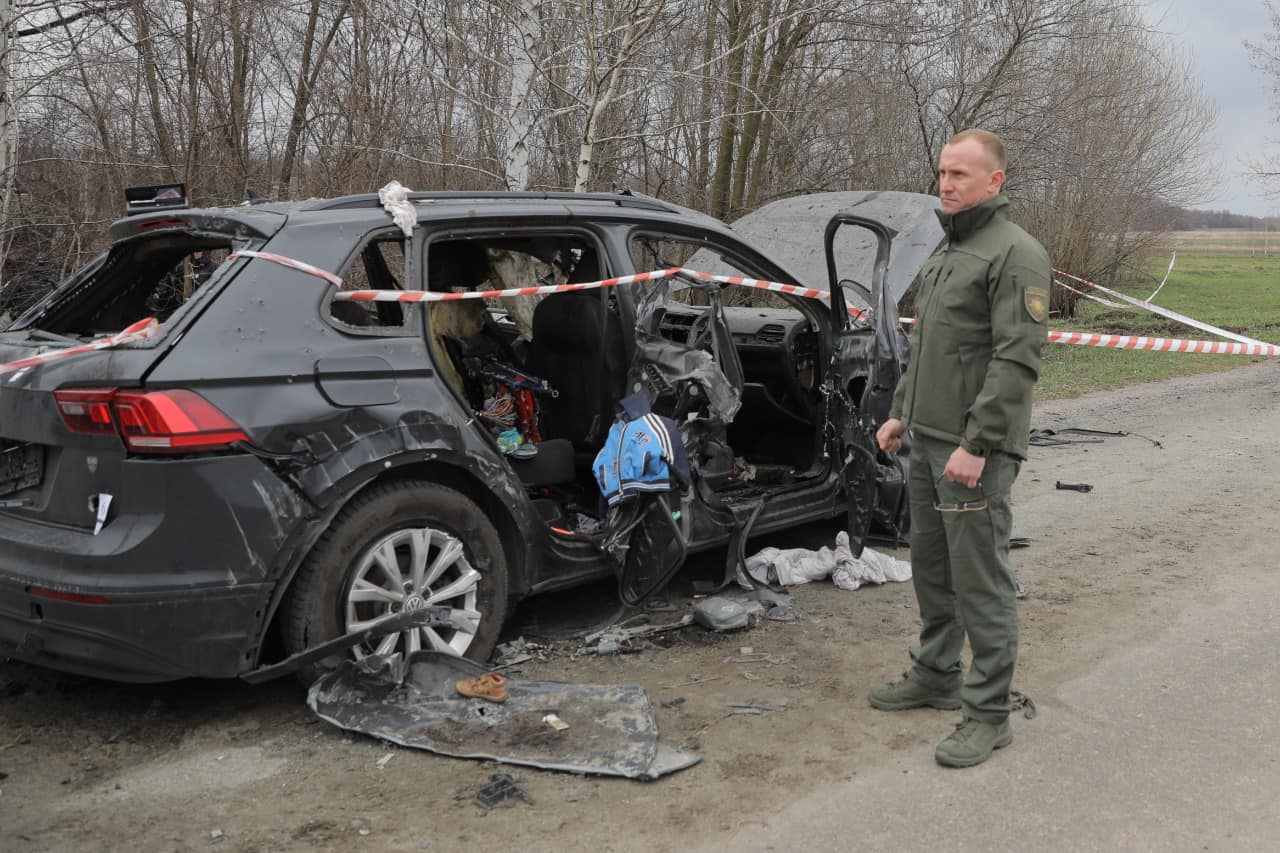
[(966, 399)]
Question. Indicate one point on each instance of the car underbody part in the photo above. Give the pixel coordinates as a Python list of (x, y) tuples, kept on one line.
[(392, 624), (611, 728)]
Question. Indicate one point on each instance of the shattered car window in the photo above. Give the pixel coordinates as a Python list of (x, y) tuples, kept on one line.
[(150, 277), (378, 266)]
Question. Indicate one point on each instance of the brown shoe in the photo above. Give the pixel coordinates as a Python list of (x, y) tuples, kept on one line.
[(490, 686)]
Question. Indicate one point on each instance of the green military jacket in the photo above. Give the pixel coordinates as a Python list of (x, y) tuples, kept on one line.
[(981, 322)]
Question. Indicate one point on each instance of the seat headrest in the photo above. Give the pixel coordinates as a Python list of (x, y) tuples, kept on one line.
[(456, 263)]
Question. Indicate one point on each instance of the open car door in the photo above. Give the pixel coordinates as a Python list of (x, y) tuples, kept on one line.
[(692, 376), (869, 358)]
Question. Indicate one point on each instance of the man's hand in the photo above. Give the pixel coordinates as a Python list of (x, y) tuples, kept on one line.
[(890, 434), (963, 467)]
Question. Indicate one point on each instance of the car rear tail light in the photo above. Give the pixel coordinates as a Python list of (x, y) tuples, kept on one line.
[(170, 421), (86, 410), (174, 421)]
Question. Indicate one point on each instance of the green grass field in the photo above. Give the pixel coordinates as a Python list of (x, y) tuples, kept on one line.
[(1228, 278)]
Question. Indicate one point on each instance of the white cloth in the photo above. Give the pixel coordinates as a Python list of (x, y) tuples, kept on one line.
[(394, 199), (798, 565)]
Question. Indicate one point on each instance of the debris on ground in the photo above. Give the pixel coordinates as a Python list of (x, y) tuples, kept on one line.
[(361, 826), (628, 635), (1054, 438), (518, 651), (607, 729), (501, 790), (727, 613), (800, 565), (1022, 702), (760, 707), (1073, 487), (1020, 592)]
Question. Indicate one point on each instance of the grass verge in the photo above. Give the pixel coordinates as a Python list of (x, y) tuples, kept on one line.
[(1236, 287)]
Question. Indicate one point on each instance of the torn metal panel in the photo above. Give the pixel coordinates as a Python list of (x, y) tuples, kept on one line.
[(611, 728), (714, 372)]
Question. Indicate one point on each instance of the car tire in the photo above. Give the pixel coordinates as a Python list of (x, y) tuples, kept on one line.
[(348, 578)]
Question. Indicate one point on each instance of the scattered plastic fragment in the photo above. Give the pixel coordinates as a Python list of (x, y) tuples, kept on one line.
[(555, 722), (382, 762), (500, 790), (721, 613)]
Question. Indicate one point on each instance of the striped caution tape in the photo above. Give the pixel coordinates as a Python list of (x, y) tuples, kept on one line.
[(139, 331), (654, 275), (433, 296), (1091, 339), (1162, 344), (146, 328), (291, 263)]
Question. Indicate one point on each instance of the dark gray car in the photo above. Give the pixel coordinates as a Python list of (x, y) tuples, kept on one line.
[(275, 466)]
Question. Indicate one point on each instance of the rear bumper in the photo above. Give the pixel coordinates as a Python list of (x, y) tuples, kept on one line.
[(187, 568), (137, 637)]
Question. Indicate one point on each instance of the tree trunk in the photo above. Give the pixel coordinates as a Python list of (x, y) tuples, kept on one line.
[(524, 37)]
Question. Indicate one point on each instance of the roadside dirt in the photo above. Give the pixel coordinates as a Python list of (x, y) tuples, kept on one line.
[(88, 765)]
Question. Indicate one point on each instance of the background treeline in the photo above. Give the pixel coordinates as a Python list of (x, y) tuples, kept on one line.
[(1158, 216), (721, 105)]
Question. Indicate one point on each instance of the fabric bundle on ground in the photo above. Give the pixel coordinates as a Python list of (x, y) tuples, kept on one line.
[(799, 565)]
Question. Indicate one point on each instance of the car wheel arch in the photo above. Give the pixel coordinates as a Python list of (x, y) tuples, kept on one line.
[(499, 513)]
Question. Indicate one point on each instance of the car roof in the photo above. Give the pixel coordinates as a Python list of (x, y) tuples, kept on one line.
[(366, 210)]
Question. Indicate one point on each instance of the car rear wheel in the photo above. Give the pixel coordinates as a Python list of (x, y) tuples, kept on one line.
[(401, 546)]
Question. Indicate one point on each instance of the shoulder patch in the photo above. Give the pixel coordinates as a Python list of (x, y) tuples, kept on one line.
[(1036, 301)]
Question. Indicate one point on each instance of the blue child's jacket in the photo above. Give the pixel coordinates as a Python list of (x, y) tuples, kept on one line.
[(641, 453)]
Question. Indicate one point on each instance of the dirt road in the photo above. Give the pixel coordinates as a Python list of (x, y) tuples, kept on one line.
[(1147, 645)]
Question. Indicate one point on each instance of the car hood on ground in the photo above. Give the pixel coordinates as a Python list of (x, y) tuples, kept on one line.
[(790, 231)]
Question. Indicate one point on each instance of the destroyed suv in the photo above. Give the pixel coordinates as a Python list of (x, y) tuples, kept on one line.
[(276, 464)]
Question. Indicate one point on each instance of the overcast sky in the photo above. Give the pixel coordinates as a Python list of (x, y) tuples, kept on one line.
[(1213, 32)]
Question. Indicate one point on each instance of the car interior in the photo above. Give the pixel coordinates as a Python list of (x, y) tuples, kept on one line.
[(565, 357)]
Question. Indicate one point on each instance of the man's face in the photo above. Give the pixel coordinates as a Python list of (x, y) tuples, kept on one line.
[(966, 176)]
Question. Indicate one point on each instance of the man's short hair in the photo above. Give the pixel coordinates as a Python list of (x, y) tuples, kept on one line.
[(991, 143)]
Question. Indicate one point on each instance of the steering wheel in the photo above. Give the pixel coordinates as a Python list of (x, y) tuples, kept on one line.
[(700, 332)]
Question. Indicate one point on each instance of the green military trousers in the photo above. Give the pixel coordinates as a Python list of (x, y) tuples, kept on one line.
[(963, 579)]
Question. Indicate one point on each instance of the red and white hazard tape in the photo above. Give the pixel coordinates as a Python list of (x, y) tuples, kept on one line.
[(1162, 344), (144, 329), (300, 266), (654, 275), (433, 296), (139, 331), (1090, 339)]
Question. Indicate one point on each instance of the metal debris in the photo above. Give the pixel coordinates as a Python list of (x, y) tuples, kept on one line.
[(1073, 487), (1022, 702), (611, 730), (501, 790)]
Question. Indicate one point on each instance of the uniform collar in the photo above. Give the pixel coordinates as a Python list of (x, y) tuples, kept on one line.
[(964, 223)]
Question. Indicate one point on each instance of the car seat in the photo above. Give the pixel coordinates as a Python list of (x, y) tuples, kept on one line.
[(578, 348)]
